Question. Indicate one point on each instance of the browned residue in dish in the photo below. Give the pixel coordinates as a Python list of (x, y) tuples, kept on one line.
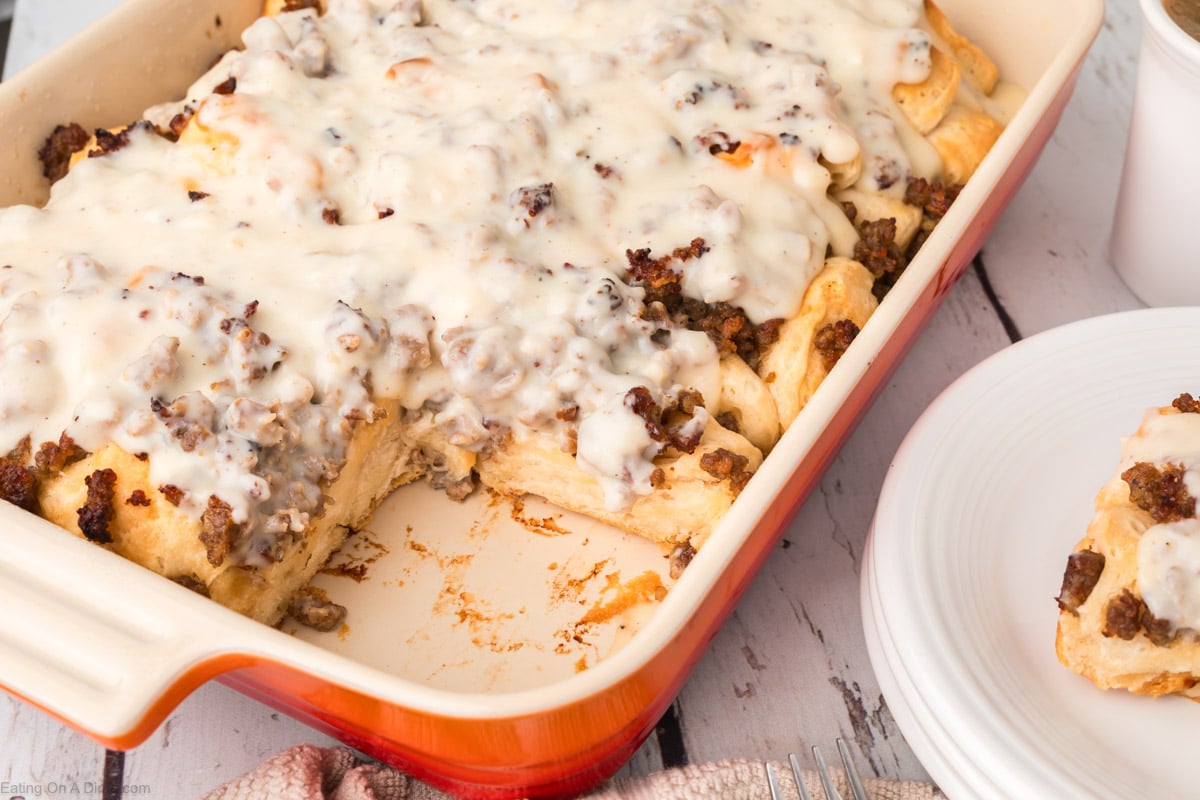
[(567, 588), (645, 588), (544, 526), (351, 562)]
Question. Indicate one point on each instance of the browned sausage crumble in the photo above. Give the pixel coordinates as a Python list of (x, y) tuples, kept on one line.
[(18, 484), (108, 142), (1082, 572), (172, 492), (725, 465), (533, 199), (227, 86), (1186, 404), (217, 530), (666, 424), (1126, 615), (315, 610), (97, 510), (1161, 493), (55, 457), (63, 142), (680, 557), (832, 340), (726, 325), (877, 249)]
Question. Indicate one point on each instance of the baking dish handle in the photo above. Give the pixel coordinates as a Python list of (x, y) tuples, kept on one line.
[(99, 642)]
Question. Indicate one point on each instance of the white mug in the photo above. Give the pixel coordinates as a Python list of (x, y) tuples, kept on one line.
[(1155, 246)]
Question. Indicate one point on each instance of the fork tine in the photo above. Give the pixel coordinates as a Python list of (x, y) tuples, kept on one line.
[(856, 785), (773, 782), (830, 792), (798, 774)]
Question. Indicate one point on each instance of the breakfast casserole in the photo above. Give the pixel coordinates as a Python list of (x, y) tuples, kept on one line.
[(598, 251)]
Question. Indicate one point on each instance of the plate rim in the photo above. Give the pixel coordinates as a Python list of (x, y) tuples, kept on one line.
[(951, 752)]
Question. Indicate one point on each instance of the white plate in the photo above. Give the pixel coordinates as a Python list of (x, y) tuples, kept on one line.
[(986, 497)]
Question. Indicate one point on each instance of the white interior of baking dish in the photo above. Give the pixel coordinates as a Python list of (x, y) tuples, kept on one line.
[(484, 609)]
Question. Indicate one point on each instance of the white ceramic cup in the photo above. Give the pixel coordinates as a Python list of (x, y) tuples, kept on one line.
[(1154, 244)]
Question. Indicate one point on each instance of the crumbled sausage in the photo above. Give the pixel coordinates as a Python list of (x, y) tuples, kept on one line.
[(717, 142), (932, 197), (1080, 577), (227, 86), (877, 250), (832, 340), (108, 142), (681, 556), (656, 273), (217, 530), (640, 402), (178, 123), (137, 498), (1122, 616), (1126, 615), (1186, 404), (533, 199), (97, 510), (314, 610), (54, 457), (172, 492), (62, 143), (671, 424), (18, 484), (726, 325), (1160, 492), (724, 464)]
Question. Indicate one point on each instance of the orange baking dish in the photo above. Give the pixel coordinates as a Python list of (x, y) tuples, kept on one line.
[(462, 662)]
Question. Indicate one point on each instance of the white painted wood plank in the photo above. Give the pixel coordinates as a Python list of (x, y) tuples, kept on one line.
[(1048, 256), (37, 753), (215, 735)]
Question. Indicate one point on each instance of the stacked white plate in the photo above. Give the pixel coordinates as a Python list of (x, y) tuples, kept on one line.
[(986, 497)]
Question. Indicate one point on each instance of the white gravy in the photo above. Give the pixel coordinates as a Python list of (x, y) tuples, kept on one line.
[(1168, 554), (194, 300)]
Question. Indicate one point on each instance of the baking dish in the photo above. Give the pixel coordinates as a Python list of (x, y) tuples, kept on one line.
[(111, 649)]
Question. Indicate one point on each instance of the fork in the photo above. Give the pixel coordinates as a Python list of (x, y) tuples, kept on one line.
[(856, 785)]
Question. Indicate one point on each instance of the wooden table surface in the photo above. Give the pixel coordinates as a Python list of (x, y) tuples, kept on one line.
[(790, 667)]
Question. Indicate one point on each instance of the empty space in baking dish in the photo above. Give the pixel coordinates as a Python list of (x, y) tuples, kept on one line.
[(493, 594)]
